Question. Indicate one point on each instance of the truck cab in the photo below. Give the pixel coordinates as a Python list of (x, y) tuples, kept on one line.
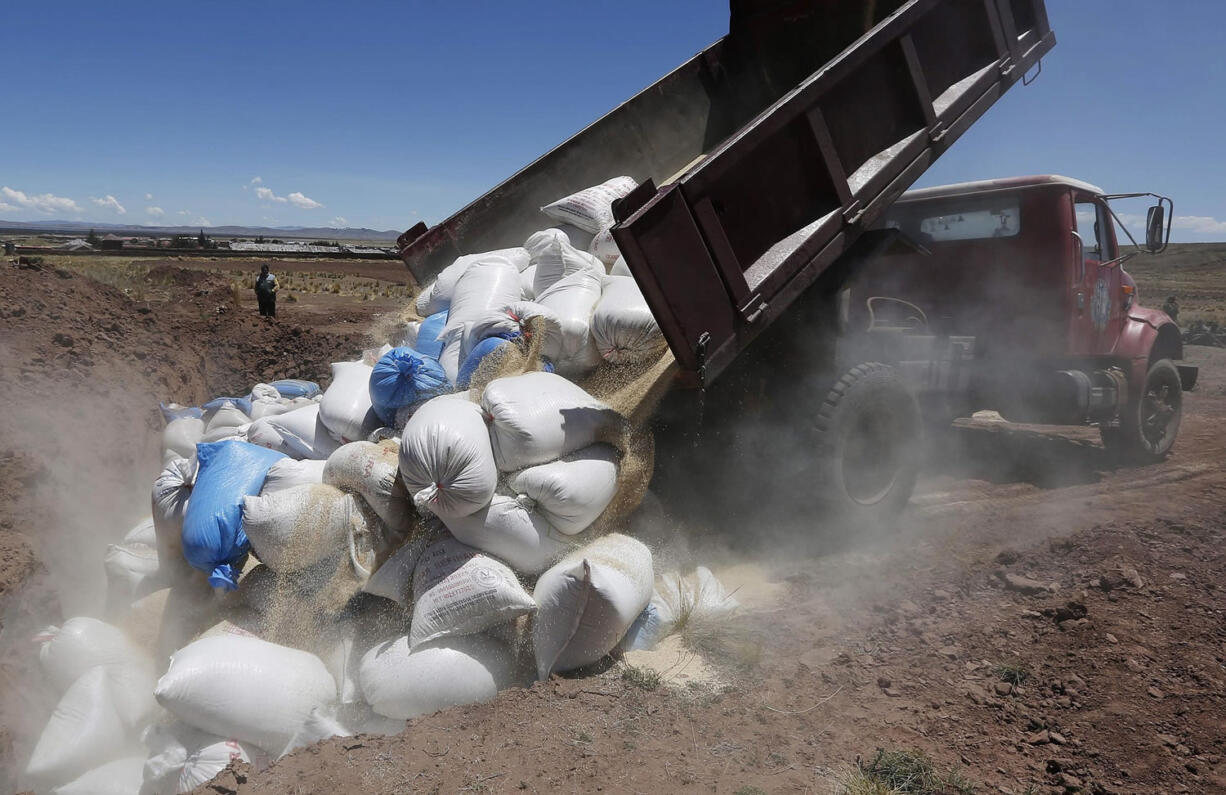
[(1011, 296)]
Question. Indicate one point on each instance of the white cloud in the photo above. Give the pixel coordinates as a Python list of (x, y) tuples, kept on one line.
[(156, 212), (110, 201), (184, 212), (1199, 224), (44, 203), (256, 181), (296, 198), (306, 203), (5, 207), (339, 220), (267, 195), (148, 197), (202, 221)]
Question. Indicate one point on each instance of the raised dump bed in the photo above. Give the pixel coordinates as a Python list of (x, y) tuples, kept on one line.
[(762, 159)]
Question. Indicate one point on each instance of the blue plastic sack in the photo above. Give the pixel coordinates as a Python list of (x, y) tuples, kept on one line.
[(243, 404), (428, 343), (645, 632), (296, 387), (169, 415), (213, 537), (482, 349), (403, 376)]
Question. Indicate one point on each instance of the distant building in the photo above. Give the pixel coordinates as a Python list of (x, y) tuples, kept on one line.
[(111, 242), (283, 248), (75, 245)]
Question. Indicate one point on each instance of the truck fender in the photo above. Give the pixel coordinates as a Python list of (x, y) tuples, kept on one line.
[(1148, 335)]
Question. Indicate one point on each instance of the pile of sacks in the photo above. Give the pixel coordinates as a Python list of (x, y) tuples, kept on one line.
[(452, 516)]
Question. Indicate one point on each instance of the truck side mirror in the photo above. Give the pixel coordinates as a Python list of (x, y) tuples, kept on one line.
[(1155, 224)]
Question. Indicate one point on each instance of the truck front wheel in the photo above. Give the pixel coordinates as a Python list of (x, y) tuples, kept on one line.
[(1150, 422), (868, 444)]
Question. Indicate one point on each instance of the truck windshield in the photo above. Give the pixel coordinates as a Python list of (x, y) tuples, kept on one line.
[(968, 220)]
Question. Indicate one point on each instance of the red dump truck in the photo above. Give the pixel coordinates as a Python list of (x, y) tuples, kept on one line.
[(771, 211)]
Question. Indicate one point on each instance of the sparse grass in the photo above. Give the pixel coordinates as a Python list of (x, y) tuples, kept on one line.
[(643, 678), (732, 643), (904, 773), (1014, 672), (750, 791)]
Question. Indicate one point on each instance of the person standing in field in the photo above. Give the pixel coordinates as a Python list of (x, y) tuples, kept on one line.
[(266, 292)]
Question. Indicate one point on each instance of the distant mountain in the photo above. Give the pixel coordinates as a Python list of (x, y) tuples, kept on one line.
[(313, 233)]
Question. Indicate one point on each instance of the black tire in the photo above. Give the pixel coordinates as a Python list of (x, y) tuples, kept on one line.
[(1149, 423), (869, 434)]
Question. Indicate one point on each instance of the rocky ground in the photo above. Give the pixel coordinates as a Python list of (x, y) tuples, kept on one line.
[(1044, 620)]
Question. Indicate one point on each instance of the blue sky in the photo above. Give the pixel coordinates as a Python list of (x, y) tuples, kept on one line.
[(381, 114)]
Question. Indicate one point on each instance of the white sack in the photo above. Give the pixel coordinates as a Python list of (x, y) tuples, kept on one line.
[(224, 432), (573, 299), (587, 601), (204, 762), (245, 688), (182, 758), (554, 258), (265, 392), (446, 461), (451, 357), (66, 652), (296, 528), (623, 327), (142, 533), (620, 268), (299, 434), (171, 491), (345, 409), (181, 436), (516, 318), (394, 579), (288, 473), (604, 248), (573, 492), (509, 531), (268, 408), (439, 294), (447, 673), (321, 725), (591, 209), (131, 573), (527, 281), (120, 777), (460, 591), (84, 731), (405, 336), (539, 417), (225, 416), (485, 287), (371, 470)]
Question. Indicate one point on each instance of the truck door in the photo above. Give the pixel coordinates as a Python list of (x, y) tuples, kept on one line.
[(1098, 311)]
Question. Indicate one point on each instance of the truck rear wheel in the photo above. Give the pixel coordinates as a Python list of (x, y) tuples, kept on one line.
[(1149, 424), (868, 445)]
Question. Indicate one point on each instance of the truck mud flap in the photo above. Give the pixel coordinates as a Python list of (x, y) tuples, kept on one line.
[(1188, 374)]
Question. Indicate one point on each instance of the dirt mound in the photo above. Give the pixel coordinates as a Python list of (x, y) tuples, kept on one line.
[(169, 275)]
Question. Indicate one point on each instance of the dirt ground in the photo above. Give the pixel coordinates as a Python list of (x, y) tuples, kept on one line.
[(1026, 555)]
